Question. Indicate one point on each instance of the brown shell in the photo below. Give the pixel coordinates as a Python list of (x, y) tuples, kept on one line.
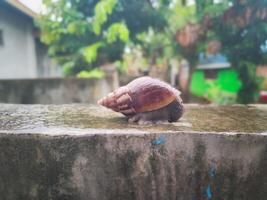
[(141, 95)]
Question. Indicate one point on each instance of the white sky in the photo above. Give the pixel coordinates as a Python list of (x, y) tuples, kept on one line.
[(35, 5)]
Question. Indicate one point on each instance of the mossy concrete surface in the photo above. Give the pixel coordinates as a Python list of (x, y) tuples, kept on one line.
[(86, 152)]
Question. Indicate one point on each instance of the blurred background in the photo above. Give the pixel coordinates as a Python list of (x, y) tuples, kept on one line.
[(76, 51)]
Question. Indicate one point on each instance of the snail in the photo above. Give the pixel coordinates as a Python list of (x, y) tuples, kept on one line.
[(146, 100)]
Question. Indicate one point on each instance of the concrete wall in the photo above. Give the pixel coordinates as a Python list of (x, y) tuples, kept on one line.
[(82, 152), (55, 90)]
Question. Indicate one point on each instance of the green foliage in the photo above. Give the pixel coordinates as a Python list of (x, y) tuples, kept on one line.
[(68, 67), (181, 15), (208, 7), (95, 73), (102, 10), (138, 15), (83, 34), (248, 93), (75, 31), (117, 31), (157, 46), (90, 52)]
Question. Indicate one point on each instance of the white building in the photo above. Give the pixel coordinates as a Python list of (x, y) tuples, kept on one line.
[(22, 55)]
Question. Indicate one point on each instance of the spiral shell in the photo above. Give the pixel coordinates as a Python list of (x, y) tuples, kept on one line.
[(142, 95)]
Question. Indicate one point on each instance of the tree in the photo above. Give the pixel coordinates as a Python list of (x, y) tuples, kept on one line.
[(83, 34), (75, 32), (241, 27)]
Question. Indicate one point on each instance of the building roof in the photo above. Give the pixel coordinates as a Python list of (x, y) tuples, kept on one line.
[(212, 61), (22, 8)]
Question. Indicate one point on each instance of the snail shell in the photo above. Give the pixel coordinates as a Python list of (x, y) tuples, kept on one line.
[(146, 99)]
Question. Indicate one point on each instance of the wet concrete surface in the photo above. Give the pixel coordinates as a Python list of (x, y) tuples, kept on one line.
[(81, 152), (95, 119)]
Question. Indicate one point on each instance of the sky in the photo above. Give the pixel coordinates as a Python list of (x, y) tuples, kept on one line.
[(35, 5)]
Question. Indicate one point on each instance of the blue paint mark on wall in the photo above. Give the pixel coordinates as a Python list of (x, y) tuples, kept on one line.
[(212, 174), (209, 192), (159, 141), (212, 171)]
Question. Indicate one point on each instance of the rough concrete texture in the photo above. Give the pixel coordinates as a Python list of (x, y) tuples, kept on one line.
[(82, 152)]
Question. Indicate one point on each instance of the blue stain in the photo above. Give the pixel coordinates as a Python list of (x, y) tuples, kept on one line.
[(212, 171), (208, 192), (212, 174), (159, 141)]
